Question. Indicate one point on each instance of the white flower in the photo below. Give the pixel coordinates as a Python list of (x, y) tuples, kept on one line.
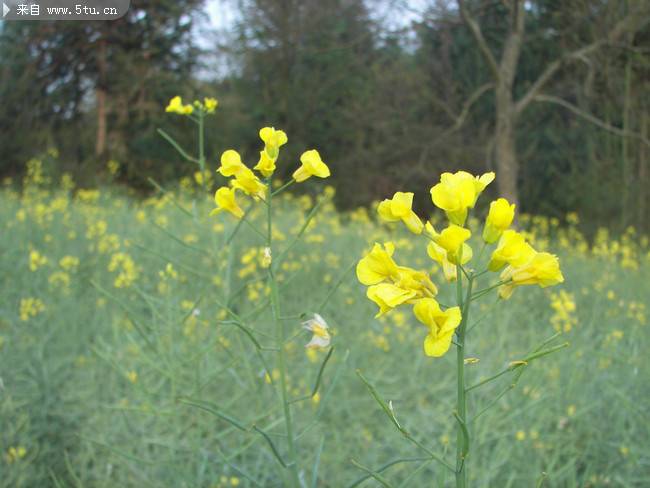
[(266, 257), (321, 337)]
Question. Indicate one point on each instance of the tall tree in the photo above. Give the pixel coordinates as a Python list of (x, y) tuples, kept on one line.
[(118, 72), (503, 68)]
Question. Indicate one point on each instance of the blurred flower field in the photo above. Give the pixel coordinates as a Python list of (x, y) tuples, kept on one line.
[(119, 316)]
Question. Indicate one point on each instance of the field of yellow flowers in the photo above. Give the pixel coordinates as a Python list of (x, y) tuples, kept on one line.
[(136, 350)]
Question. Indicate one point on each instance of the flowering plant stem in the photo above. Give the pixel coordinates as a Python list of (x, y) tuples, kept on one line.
[(201, 123), (291, 463), (462, 437)]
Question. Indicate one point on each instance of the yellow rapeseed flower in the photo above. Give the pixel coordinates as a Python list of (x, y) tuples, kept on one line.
[(36, 260), (388, 296), (266, 164), (273, 139), (498, 220), (30, 307), (512, 249), (250, 184), (231, 163), (312, 165), (210, 104), (400, 208), (439, 255), (441, 324), (224, 198), (176, 106), (457, 192), (542, 269), (378, 265), (452, 239)]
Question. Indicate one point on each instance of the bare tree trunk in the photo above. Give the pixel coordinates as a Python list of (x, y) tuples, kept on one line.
[(503, 73), (505, 146), (100, 143), (643, 176)]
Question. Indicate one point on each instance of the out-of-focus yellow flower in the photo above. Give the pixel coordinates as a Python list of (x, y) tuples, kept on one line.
[(388, 296), (36, 260), (312, 165), (542, 269), (273, 139), (224, 198), (176, 106), (203, 178), (457, 192), (30, 307), (452, 239), (266, 164), (400, 208), (378, 265), (14, 454), (441, 324), (231, 164), (512, 249), (127, 271), (498, 220), (210, 104), (320, 329)]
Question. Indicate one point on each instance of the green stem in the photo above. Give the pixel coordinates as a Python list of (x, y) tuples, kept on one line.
[(176, 146), (202, 149), (283, 187), (294, 480), (462, 437)]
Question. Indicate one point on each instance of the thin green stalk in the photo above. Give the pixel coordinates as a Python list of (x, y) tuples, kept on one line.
[(280, 336), (283, 187), (202, 149), (176, 146), (462, 437)]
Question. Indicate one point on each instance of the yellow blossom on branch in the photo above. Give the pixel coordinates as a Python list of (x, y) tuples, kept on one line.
[(498, 220), (231, 163), (458, 192), (441, 324), (400, 208), (176, 106), (312, 165), (224, 198)]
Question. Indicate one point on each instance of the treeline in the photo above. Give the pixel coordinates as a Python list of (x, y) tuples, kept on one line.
[(552, 95)]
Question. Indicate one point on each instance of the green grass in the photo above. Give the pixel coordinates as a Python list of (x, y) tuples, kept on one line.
[(68, 401)]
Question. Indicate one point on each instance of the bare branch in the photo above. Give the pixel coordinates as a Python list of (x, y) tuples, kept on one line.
[(633, 20), (478, 36), (549, 72), (459, 120), (591, 118)]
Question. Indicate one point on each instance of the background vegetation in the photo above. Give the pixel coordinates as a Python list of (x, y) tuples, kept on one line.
[(552, 94)]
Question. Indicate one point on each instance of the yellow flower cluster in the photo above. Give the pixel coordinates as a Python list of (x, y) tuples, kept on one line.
[(127, 271), (564, 307), (246, 181), (36, 260), (391, 285), (176, 106), (30, 307)]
